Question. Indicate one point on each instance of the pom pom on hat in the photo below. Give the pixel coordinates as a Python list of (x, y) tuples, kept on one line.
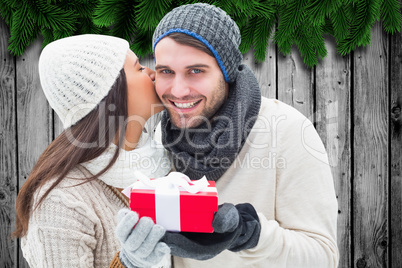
[(77, 72), (210, 25)]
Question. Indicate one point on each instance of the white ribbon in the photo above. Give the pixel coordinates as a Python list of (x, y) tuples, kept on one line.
[(167, 195)]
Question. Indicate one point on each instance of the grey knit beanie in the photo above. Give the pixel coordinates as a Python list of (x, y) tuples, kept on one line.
[(77, 72), (212, 26)]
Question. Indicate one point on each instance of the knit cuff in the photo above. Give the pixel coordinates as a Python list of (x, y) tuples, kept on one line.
[(116, 263)]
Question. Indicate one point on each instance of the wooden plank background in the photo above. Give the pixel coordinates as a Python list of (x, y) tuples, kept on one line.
[(354, 101)]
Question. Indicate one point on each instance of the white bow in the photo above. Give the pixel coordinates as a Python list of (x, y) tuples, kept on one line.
[(176, 180)]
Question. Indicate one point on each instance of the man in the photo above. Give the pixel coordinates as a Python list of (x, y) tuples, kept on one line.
[(262, 153)]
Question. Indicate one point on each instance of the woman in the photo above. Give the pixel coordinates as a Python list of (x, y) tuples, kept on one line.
[(66, 210)]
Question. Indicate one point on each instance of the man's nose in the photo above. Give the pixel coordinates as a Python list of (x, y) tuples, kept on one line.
[(180, 87)]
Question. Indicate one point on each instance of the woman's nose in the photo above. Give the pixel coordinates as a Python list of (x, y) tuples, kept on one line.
[(150, 73)]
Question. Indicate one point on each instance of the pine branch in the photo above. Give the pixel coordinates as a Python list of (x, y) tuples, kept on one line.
[(149, 13), (228, 6), (107, 11), (240, 8), (241, 18), (306, 48), (57, 34), (141, 45), (283, 2), (86, 26), (47, 36), (6, 12), (83, 8), (13, 4), (351, 2), (286, 45), (262, 34), (391, 15), (317, 34), (366, 13), (340, 23), (125, 24), (291, 17), (264, 8), (55, 2), (53, 17), (211, 2), (82, 2), (317, 10), (243, 5), (23, 30), (247, 35), (177, 3), (300, 22), (327, 28), (7, 9)]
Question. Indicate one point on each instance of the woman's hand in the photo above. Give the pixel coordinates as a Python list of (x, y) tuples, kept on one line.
[(140, 240)]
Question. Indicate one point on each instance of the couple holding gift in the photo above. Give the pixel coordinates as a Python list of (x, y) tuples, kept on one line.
[(71, 212)]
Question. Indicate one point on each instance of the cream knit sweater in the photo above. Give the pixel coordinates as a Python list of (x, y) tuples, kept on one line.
[(75, 225), (283, 171)]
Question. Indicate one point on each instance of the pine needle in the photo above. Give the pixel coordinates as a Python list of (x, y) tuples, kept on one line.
[(23, 30), (291, 17), (262, 34), (366, 13), (391, 15)]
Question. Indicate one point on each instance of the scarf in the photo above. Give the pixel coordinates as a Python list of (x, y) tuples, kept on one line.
[(149, 157), (212, 147)]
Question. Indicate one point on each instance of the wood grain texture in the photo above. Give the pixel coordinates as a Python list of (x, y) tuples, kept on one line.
[(396, 149), (295, 82), (8, 149), (370, 156), (333, 87), (264, 71), (57, 125), (148, 62), (34, 117)]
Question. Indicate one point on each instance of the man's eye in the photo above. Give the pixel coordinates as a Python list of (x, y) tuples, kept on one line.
[(196, 71), (166, 71)]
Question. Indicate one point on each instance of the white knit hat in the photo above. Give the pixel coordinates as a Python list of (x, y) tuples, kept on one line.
[(77, 72)]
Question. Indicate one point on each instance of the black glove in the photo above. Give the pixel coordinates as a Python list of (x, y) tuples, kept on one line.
[(235, 228)]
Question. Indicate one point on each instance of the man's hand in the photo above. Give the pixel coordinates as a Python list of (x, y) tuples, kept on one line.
[(235, 228)]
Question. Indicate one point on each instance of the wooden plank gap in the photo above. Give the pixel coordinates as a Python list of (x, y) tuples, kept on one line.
[(395, 150), (8, 156), (333, 122)]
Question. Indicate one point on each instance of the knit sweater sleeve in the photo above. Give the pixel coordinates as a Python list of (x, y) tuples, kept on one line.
[(62, 232), (303, 233)]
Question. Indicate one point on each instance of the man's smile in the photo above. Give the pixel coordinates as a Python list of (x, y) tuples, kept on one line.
[(185, 105)]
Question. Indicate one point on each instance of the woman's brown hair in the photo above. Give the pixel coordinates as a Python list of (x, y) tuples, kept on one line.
[(93, 133)]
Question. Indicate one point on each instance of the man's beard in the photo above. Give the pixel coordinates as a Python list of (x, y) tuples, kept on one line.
[(209, 111)]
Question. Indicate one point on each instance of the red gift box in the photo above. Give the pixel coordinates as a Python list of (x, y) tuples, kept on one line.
[(177, 211)]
